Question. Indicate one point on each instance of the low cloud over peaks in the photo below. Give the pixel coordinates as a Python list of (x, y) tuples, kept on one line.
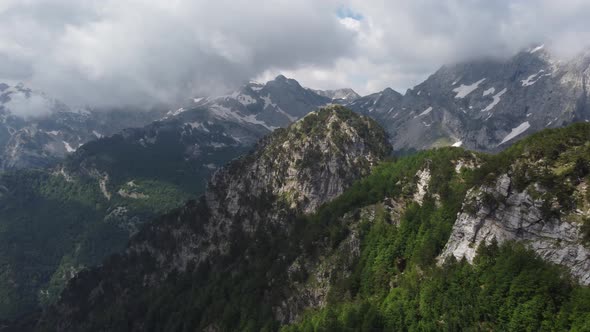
[(142, 52), (119, 52)]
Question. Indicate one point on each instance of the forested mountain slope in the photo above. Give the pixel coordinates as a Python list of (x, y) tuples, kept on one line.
[(57, 220), (249, 205), (300, 252)]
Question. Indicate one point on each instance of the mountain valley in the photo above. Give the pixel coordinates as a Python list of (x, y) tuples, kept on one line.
[(322, 256), (286, 196)]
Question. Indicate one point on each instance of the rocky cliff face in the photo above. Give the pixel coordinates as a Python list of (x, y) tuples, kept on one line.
[(293, 171), (485, 104), (502, 213), (540, 199)]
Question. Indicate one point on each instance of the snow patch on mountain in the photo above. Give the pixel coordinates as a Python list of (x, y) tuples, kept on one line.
[(464, 90), (426, 111), (252, 119), (289, 116), (497, 98), (68, 147), (345, 94), (516, 131), (268, 101), (175, 112), (197, 125), (536, 49), (489, 91), (531, 79), (227, 113)]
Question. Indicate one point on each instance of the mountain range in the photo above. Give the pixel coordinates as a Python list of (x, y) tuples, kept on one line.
[(296, 221), (37, 131), (288, 237), (116, 183), (485, 104)]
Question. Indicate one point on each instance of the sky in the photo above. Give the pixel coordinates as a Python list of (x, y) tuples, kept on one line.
[(142, 52)]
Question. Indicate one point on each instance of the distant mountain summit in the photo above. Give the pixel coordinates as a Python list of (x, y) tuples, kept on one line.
[(485, 104), (37, 131), (274, 104), (203, 135), (342, 95)]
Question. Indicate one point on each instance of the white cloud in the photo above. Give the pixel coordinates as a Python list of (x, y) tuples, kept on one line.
[(147, 51), (399, 43), (351, 23), (34, 105), (112, 52)]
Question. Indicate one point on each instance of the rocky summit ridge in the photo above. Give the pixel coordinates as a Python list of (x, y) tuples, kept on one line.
[(484, 104), (292, 171)]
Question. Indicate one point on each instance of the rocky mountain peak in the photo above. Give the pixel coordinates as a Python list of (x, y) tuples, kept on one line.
[(484, 104), (339, 95), (280, 78), (391, 92), (256, 197), (277, 103), (313, 160)]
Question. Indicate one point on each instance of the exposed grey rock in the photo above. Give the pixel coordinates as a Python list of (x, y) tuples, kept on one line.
[(274, 104), (339, 95), (486, 104), (500, 212), (423, 177), (291, 169), (314, 292)]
